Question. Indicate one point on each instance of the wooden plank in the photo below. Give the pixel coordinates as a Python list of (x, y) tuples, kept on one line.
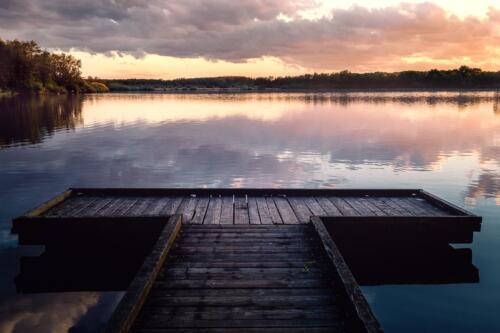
[(230, 273), (224, 284), (285, 211), (241, 215), (358, 206), (343, 206), (300, 208), (164, 316), (426, 206), (314, 206), (125, 206), (375, 211), (243, 191), (242, 249), (221, 313), (152, 204), (88, 201), (268, 256), (329, 208), (213, 211), (158, 206), (237, 242), (450, 208), (273, 211), (249, 293), (139, 208), (244, 264), (404, 205), (203, 324), (201, 209), (172, 206), (252, 227), (52, 203), (111, 208), (209, 232), (396, 206), (159, 300), (227, 211), (187, 208), (264, 213), (65, 207), (253, 211), (296, 329), (95, 206), (388, 207)]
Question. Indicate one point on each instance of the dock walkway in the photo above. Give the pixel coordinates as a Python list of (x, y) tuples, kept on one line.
[(248, 206), (262, 279), (247, 260)]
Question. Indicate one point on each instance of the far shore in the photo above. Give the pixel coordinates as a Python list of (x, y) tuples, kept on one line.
[(277, 90), (215, 91)]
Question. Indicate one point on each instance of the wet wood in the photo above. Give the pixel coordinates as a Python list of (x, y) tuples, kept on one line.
[(252, 206), (273, 211), (243, 283), (171, 207), (285, 210), (227, 212), (253, 211), (300, 209), (213, 211), (157, 206), (329, 208), (187, 208), (358, 206), (124, 206), (110, 209), (139, 208), (200, 211), (314, 206), (241, 214), (264, 213)]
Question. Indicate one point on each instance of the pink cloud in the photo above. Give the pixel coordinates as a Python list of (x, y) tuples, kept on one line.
[(391, 38)]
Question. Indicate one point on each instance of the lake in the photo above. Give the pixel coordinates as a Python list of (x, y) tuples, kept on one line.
[(445, 142)]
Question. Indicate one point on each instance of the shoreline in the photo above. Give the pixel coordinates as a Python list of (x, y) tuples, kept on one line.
[(9, 93), (201, 90), (312, 91)]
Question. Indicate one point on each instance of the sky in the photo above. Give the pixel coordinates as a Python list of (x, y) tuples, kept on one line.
[(198, 38)]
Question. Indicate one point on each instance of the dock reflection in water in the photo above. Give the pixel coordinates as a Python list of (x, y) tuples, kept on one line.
[(397, 263)]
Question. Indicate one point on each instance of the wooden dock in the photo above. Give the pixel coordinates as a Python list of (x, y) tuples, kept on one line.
[(246, 260)]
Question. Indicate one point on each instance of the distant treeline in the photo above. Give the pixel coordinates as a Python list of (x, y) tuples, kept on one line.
[(24, 66), (461, 78)]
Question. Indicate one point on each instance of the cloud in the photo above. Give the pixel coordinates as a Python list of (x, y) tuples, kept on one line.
[(357, 38)]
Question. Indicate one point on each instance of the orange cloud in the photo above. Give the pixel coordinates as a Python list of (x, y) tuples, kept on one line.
[(404, 36)]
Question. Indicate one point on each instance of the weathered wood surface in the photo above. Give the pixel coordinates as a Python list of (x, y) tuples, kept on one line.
[(255, 207), (244, 278)]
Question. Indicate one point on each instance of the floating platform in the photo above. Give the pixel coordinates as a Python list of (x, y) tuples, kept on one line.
[(248, 260)]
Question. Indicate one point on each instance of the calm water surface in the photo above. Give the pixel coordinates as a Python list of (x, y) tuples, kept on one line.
[(447, 143)]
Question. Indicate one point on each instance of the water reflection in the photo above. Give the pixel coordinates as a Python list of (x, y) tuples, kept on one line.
[(447, 143), (81, 312), (407, 263), (29, 119)]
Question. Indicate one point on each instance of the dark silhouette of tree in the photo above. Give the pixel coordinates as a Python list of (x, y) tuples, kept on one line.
[(24, 66), (461, 78)]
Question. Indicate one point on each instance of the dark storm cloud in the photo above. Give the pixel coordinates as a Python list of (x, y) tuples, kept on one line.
[(238, 30)]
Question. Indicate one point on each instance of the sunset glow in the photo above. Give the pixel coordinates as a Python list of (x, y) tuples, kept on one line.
[(170, 39)]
